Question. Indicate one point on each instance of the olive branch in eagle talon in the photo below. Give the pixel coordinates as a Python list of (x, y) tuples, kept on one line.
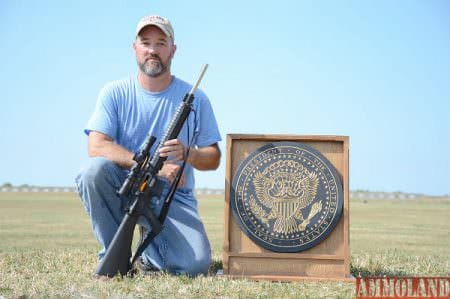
[(284, 189)]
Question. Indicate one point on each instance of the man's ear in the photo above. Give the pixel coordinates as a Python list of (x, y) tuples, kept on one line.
[(174, 49)]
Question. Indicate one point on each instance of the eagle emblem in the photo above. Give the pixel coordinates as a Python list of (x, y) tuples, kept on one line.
[(286, 196), (284, 189)]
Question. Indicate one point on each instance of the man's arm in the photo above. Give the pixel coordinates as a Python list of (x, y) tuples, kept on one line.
[(101, 145), (205, 158), (201, 158)]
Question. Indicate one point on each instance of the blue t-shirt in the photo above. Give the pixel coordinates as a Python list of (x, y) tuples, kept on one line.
[(128, 114)]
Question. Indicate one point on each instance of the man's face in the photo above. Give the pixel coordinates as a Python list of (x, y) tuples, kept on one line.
[(154, 51)]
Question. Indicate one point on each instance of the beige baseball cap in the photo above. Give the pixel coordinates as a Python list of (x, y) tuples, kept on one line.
[(158, 21)]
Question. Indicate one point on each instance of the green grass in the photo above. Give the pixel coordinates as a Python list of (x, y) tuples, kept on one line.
[(47, 250)]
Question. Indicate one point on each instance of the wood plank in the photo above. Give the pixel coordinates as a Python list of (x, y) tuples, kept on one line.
[(282, 255), (287, 278)]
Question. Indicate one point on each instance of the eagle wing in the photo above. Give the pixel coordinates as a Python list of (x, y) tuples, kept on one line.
[(309, 185), (260, 183)]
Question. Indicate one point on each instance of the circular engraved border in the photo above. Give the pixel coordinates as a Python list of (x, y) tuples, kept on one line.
[(251, 225)]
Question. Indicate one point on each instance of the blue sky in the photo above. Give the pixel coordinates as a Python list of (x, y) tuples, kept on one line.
[(377, 71)]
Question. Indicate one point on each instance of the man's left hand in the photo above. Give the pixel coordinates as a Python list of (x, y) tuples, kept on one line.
[(173, 149)]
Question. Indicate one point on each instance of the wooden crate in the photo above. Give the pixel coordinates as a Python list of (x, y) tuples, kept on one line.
[(329, 260)]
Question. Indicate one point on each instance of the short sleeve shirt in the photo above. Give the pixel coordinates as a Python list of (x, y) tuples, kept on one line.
[(128, 114)]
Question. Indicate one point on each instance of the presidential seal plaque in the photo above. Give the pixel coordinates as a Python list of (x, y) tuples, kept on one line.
[(286, 196), (286, 212)]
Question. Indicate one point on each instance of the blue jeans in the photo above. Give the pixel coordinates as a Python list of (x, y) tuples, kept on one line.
[(182, 247)]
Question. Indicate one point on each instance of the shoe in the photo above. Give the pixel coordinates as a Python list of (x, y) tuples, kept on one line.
[(147, 269)]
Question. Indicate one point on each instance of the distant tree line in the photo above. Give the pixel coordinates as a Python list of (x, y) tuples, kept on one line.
[(354, 194)]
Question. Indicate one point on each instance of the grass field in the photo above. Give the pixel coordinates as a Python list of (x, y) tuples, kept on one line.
[(47, 250)]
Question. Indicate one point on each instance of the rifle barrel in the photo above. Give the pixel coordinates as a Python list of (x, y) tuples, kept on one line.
[(202, 72)]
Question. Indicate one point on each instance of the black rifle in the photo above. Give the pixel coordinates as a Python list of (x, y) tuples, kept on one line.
[(142, 177)]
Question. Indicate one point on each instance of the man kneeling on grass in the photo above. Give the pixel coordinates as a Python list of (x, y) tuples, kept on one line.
[(126, 112)]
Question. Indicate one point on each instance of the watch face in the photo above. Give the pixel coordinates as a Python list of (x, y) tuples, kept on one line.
[(286, 197)]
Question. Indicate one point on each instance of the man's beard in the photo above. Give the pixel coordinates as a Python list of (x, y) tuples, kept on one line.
[(153, 68)]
